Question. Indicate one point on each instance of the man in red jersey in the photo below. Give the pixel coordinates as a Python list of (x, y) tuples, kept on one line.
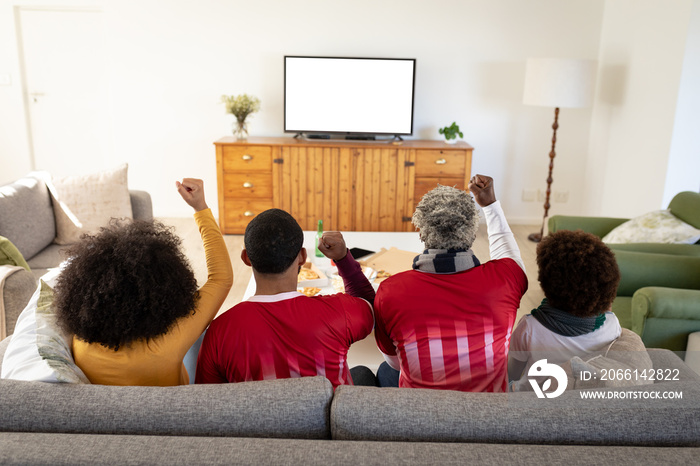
[(280, 333), (447, 323)]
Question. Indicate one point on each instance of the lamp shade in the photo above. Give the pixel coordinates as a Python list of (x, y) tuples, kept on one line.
[(559, 82)]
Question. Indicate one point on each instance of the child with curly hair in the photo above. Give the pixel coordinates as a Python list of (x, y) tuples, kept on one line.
[(579, 276), (130, 298)]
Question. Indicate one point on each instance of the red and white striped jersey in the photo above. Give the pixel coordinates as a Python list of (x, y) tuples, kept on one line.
[(451, 331)]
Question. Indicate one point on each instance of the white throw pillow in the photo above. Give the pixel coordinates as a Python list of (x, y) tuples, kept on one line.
[(660, 226), (40, 350), (84, 204)]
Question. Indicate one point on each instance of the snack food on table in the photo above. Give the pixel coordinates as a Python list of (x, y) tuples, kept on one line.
[(310, 291), (307, 274)]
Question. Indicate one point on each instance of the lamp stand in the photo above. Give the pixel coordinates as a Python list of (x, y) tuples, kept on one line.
[(537, 237)]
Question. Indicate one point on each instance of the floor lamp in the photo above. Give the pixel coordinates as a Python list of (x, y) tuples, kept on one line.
[(557, 82)]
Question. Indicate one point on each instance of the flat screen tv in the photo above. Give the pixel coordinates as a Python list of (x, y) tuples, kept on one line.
[(351, 96)]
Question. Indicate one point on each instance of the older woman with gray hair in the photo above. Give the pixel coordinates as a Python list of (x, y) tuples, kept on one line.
[(447, 323)]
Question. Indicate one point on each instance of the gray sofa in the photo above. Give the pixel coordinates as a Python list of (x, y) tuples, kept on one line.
[(27, 220), (302, 421)]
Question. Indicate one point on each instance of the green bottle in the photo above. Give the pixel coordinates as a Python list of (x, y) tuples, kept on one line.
[(319, 234)]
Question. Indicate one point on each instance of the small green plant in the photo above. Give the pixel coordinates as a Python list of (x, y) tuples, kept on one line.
[(451, 132)]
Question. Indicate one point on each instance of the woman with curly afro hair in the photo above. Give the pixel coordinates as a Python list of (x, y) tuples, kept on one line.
[(579, 276), (130, 298)]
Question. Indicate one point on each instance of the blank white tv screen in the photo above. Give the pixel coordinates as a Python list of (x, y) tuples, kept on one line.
[(348, 95)]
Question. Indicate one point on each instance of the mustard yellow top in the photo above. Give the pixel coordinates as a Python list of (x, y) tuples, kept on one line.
[(159, 361)]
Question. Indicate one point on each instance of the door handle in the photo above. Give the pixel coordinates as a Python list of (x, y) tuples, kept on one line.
[(248, 213), (247, 184), (247, 157), (441, 161)]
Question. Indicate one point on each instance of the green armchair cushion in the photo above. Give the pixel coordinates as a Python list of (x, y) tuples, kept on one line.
[(640, 269), (659, 248)]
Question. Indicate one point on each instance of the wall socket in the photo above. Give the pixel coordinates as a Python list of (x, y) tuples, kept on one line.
[(532, 195), (560, 196), (529, 195)]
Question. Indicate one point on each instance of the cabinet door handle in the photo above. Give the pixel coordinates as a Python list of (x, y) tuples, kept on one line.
[(247, 157), (441, 161), (248, 213), (247, 184)]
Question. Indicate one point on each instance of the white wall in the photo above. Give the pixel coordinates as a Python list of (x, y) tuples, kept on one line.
[(168, 63), (641, 56), (168, 67), (684, 159)]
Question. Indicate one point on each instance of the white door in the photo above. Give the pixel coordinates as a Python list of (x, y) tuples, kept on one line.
[(64, 77)]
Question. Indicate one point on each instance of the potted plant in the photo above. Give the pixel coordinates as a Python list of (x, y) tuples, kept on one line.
[(451, 132), (241, 106)]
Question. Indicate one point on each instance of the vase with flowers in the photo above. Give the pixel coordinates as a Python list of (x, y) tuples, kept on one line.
[(241, 106)]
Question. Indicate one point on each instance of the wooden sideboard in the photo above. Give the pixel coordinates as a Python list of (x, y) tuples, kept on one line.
[(350, 185)]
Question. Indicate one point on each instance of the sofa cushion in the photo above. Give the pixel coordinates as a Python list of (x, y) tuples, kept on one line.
[(621, 417), (83, 204), (286, 408), (60, 449), (26, 214), (40, 350), (660, 226), (16, 288)]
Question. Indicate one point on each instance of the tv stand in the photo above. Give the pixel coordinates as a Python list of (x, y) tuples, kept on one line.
[(360, 137), (352, 185)]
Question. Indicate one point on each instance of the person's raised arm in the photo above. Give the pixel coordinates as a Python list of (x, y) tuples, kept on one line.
[(501, 240), (219, 268), (332, 245)]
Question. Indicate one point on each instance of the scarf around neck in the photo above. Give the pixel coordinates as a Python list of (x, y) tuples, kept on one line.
[(565, 324), (445, 260)]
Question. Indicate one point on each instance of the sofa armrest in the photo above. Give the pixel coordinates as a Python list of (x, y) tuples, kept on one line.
[(141, 206), (641, 269), (17, 289), (599, 226), (664, 317)]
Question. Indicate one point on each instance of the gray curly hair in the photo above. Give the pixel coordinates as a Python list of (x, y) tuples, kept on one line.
[(447, 218)]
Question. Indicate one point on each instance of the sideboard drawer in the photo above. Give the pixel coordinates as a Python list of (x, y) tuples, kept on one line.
[(247, 185), (238, 213), (247, 158), (441, 162), (423, 185)]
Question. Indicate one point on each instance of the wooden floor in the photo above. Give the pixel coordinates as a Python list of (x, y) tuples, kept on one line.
[(364, 352)]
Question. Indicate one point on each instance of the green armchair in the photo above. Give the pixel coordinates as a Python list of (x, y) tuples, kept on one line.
[(659, 292)]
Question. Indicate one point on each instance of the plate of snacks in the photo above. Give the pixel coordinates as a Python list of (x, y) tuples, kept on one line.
[(311, 277), (309, 291)]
